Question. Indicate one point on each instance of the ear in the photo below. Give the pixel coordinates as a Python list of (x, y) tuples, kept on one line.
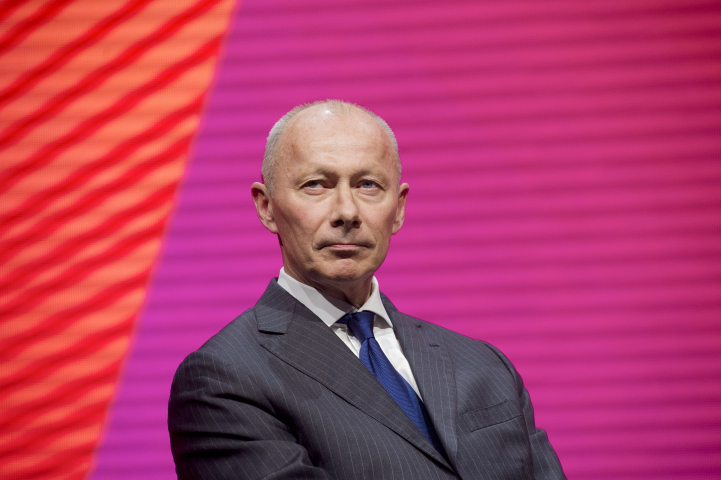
[(263, 206), (401, 208)]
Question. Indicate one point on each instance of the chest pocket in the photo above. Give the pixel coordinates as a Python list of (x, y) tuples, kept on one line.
[(488, 416)]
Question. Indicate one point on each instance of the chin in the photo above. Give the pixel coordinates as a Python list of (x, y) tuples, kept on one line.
[(346, 271)]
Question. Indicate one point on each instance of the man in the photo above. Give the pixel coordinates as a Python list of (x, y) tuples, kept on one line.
[(324, 378)]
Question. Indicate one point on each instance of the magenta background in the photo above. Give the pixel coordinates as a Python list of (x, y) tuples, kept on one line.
[(564, 159)]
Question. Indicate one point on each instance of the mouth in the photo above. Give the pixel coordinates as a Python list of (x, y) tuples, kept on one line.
[(345, 246)]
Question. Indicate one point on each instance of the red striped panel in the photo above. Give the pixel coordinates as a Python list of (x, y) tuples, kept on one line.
[(97, 113), (22, 29)]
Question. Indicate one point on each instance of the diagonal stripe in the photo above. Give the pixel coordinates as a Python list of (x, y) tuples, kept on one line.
[(70, 459), (31, 297), (52, 107), (44, 198), (128, 101), (26, 419), (46, 226), (55, 323), (19, 278), (151, 203), (41, 368), (8, 7), (61, 461), (85, 182), (84, 417), (67, 52), (65, 394), (112, 224), (68, 394), (18, 33)]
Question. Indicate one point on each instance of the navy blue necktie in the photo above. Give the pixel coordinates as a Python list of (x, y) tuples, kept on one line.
[(361, 326)]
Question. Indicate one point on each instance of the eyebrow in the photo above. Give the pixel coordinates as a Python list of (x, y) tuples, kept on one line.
[(328, 172)]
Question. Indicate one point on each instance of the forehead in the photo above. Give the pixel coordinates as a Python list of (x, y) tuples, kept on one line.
[(319, 136)]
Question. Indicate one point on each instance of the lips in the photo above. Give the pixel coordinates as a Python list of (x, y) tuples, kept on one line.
[(345, 245)]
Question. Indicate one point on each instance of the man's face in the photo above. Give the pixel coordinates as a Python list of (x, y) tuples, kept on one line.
[(336, 200)]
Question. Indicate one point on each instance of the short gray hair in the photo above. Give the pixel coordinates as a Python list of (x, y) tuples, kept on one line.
[(338, 107)]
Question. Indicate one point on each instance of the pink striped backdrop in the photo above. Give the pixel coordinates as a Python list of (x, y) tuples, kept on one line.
[(564, 160)]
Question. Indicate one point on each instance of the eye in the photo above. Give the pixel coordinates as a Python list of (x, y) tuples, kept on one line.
[(368, 184), (313, 184)]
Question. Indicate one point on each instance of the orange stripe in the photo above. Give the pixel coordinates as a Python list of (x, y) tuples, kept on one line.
[(122, 224), (21, 276), (23, 29), (46, 154), (55, 323), (54, 399), (48, 401), (44, 228), (89, 242), (118, 154), (87, 326), (51, 363), (87, 416), (100, 144), (86, 419), (54, 106), (76, 21), (31, 422), (29, 298), (68, 51), (8, 7), (50, 464)]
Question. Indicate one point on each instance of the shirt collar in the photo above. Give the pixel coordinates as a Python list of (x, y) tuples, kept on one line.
[(327, 308)]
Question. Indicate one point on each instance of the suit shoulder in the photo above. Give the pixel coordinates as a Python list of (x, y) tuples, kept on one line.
[(241, 330), (235, 351), (447, 334), (240, 336), (465, 347)]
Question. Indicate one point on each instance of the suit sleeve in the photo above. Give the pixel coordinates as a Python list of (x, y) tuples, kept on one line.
[(546, 465), (222, 427)]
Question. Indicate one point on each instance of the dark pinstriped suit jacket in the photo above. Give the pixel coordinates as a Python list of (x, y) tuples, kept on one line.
[(277, 395)]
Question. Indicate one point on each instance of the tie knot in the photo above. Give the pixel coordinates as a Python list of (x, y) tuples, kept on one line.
[(360, 324)]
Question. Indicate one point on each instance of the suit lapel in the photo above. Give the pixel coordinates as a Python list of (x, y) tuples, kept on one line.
[(429, 361), (305, 343)]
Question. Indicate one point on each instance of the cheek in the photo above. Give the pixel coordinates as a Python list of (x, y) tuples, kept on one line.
[(300, 223), (382, 223)]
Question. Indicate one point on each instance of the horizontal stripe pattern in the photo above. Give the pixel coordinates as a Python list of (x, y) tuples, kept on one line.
[(99, 103)]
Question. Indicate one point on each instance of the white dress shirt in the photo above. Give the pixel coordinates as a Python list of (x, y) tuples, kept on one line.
[(330, 310)]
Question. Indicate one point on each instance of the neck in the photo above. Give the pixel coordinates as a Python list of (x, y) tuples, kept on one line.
[(354, 293)]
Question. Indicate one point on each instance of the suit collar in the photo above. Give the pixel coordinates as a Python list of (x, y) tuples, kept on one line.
[(327, 308), (274, 311), (304, 342)]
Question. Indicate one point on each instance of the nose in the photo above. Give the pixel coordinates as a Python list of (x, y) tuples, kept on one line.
[(345, 214)]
